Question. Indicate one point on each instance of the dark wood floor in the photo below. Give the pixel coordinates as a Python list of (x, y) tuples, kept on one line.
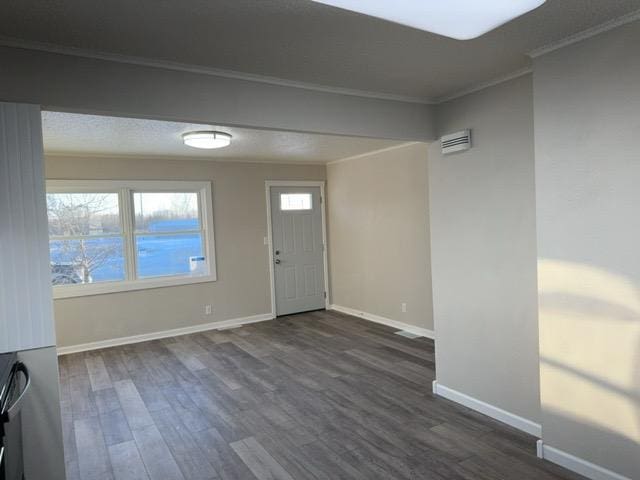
[(313, 396)]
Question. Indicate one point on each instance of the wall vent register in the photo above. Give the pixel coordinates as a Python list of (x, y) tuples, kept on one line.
[(456, 142)]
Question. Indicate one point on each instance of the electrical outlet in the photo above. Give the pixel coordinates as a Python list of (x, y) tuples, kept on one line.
[(403, 307), (207, 310)]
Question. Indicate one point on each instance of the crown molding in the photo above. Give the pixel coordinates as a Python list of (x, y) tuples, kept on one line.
[(585, 34), (373, 152), (576, 37), (182, 67), (481, 86), (215, 72)]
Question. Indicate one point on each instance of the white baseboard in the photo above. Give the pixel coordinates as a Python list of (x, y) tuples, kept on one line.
[(576, 464), (234, 322), (489, 410), (423, 332)]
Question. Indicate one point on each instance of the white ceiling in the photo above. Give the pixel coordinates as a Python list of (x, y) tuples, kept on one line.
[(301, 40), (78, 134)]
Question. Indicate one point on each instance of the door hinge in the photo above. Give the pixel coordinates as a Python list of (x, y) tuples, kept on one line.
[(325, 294), (320, 198)]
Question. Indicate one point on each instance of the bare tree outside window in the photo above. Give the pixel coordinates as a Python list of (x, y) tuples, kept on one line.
[(118, 235), (85, 233), (167, 234), (184, 205), (157, 211)]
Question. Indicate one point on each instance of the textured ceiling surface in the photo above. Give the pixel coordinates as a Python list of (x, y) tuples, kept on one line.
[(302, 40), (70, 133)]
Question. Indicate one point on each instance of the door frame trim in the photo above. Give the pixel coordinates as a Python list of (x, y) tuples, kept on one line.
[(296, 183)]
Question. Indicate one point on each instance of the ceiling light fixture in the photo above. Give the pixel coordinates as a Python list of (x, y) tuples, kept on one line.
[(459, 19), (204, 139)]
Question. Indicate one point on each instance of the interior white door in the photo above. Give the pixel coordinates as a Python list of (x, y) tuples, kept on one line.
[(298, 249)]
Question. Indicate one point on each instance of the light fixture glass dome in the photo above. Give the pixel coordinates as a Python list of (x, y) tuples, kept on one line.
[(459, 19), (206, 139)]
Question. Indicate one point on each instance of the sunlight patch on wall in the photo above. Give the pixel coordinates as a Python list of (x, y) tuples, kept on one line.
[(566, 278), (590, 346)]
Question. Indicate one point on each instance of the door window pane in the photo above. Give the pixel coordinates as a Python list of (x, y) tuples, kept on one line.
[(295, 201), (87, 260), (166, 211), (81, 214), (163, 255)]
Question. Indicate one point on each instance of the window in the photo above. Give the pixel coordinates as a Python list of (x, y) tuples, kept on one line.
[(109, 236), (295, 201), (86, 240), (168, 233)]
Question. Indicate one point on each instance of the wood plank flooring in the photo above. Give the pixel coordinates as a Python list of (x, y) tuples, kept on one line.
[(317, 396)]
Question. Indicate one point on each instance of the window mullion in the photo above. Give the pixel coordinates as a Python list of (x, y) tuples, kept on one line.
[(202, 220), (128, 228), (149, 233), (55, 238)]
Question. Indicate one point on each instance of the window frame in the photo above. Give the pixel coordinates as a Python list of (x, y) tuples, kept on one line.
[(125, 190)]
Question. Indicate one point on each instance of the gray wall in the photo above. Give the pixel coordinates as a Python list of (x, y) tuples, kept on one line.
[(587, 125), (41, 422), (378, 209), (242, 259), (483, 250), (26, 320), (105, 87)]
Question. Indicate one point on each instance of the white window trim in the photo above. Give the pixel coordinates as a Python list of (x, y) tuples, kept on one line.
[(124, 188)]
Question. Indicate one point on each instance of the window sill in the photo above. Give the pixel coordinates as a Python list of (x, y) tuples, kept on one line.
[(70, 291)]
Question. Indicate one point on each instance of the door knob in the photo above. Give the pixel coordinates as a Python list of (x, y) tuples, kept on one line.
[(278, 261)]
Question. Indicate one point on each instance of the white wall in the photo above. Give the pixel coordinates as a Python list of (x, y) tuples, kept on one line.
[(378, 215), (483, 254), (587, 125)]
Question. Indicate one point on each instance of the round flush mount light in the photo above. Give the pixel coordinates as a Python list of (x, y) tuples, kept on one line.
[(205, 139)]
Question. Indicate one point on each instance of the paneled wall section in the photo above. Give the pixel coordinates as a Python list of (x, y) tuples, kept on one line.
[(26, 319)]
